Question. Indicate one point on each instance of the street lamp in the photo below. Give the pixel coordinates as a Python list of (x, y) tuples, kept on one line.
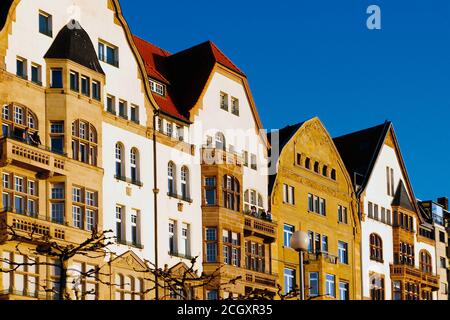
[(300, 243)]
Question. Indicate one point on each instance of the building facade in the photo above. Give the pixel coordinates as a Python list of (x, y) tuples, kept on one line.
[(398, 259), (439, 216), (312, 192)]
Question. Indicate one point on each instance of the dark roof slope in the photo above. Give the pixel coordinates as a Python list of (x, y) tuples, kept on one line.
[(74, 44), (184, 73), (5, 5), (284, 136), (359, 149), (401, 198)]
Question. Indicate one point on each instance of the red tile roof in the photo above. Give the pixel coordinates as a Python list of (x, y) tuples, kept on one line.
[(185, 73)]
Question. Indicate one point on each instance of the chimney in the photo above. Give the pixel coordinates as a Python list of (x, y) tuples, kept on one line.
[(443, 202)]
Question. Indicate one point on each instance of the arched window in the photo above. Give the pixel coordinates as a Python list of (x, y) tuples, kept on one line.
[(84, 142), (325, 171), (231, 193), (120, 172), (185, 182), (316, 167), (220, 141), (333, 174), (308, 163), (134, 163), (15, 119), (376, 248), (253, 199), (171, 182), (425, 262)]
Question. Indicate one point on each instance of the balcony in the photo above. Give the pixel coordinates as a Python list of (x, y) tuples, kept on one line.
[(213, 156), (266, 229), (41, 226), (35, 158), (322, 257), (262, 279), (405, 272)]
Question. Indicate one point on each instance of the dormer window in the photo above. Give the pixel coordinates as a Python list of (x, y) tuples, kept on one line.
[(157, 88)]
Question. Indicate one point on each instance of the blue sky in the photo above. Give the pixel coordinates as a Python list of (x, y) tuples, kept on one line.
[(317, 58)]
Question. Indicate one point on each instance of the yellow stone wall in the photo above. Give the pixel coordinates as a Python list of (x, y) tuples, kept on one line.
[(313, 141)]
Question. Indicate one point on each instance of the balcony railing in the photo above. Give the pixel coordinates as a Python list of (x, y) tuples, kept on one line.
[(407, 271), (324, 256), (264, 279), (179, 197), (265, 228), (42, 226), (214, 156), (38, 156), (24, 293), (129, 180)]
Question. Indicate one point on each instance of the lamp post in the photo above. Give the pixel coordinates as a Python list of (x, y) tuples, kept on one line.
[(300, 242)]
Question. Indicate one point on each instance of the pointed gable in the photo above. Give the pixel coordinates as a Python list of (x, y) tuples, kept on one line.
[(401, 198), (73, 43)]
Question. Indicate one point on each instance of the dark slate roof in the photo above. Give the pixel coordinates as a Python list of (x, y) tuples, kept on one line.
[(185, 73), (74, 44), (285, 135), (401, 198), (425, 213), (5, 5), (359, 150)]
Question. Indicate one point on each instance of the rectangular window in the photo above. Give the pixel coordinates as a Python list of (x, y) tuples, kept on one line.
[(235, 106), (90, 220), (119, 211), (157, 88), (388, 217), (77, 217), (96, 91), (388, 181), (289, 280), (343, 291), (254, 164), (56, 78), (310, 203), (21, 68), (185, 239), (211, 245), (375, 212), (443, 261), (85, 86), (343, 252), (5, 181), (18, 205), (324, 244), (210, 191), (74, 81), (18, 184), (342, 214), (288, 233), (45, 24), (57, 127), (123, 112), (36, 74), (223, 101), (172, 236), (76, 195), (212, 295), (32, 188), (57, 212), (323, 207), (311, 242), (111, 104), (370, 210), (90, 199), (58, 191), (134, 113), (31, 207), (313, 284), (330, 285), (383, 215), (134, 227), (108, 53)]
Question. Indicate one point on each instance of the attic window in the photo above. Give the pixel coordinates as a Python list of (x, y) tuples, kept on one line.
[(157, 88), (108, 53), (45, 23)]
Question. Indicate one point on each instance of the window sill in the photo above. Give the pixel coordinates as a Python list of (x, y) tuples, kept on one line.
[(130, 181), (130, 244), (176, 196), (377, 261)]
